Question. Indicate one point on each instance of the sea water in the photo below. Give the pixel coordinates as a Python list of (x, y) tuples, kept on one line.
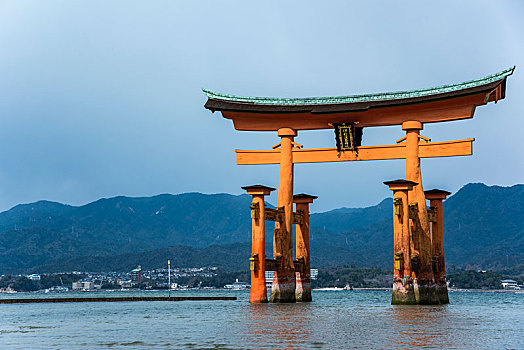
[(334, 320)]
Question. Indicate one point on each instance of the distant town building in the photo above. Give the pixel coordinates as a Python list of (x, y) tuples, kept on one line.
[(270, 274), (509, 284), (136, 275), (125, 284), (237, 285), (269, 279), (83, 285)]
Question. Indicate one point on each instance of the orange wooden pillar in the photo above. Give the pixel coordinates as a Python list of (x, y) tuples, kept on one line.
[(258, 254), (403, 274), (435, 198), (283, 288), (303, 280), (423, 283)]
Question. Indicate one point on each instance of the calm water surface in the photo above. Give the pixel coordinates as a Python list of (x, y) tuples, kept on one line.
[(335, 320)]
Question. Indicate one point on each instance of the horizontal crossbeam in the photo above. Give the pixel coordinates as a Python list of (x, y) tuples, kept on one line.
[(273, 264), (276, 265), (297, 218), (383, 152), (276, 215)]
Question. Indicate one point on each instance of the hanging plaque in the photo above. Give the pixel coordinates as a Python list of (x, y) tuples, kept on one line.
[(348, 137)]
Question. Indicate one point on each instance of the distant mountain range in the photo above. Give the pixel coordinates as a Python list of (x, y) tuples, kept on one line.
[(484, 227)]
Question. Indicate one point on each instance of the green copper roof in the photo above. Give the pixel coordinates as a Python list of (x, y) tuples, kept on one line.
[(361, 98)]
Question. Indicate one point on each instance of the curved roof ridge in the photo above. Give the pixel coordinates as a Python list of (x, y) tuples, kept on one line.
[(361, 97)]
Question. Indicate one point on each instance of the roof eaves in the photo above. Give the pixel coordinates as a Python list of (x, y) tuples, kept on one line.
[(500, 76)]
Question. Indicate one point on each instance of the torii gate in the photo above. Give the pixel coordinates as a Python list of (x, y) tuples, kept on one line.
[(419, 273)]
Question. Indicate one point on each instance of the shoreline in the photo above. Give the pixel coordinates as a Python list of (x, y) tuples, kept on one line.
[(323, 289)]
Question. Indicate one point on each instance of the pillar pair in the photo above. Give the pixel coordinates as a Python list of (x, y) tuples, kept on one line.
[(284, 287), (301, 267), (414, 277), (407, 262), (424, 283)]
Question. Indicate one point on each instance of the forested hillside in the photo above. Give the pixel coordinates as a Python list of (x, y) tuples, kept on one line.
[(483, 228)]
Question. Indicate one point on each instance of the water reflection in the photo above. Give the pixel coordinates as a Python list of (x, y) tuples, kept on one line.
[(279, 325), (423, 326), (334, 320)]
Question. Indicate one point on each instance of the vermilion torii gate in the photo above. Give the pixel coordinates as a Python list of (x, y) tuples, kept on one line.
[(419, 270)]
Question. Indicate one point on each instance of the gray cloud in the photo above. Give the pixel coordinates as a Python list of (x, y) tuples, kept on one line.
[(101, 99)]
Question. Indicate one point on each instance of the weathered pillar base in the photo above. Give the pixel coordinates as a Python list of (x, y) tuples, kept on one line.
[(303, 291), (283, 289), (259, 301), (417, 293), (442, 294), (426, 293), (403, 293), (258, 294)]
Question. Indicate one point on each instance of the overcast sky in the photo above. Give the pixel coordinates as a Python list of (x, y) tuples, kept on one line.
[(103, 98)]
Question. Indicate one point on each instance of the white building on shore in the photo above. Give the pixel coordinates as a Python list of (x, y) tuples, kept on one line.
[(510, 284), (270, 274), (82, 285), (237, 285)]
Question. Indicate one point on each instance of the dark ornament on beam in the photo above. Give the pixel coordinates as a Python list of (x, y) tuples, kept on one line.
[(348, 137)]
